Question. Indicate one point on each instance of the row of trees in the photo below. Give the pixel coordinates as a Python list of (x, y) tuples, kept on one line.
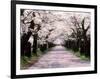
[(32, 26), (79, 40), (40, 29)]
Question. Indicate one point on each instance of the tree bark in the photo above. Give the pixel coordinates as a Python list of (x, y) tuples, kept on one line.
[(35, 43), (24, 41)]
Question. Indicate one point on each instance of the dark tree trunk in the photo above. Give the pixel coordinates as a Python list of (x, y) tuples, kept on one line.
[(35, 44), (28, 49), (85, 42), (24, 41)]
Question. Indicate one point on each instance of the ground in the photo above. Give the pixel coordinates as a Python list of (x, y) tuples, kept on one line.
[(59, 57)]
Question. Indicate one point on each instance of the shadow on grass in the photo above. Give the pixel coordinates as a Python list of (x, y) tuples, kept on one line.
[(27, 62), (79, 54)]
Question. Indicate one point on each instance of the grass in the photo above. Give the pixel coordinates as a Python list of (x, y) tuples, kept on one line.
[(78, 54), (82, 56), (26, 62)]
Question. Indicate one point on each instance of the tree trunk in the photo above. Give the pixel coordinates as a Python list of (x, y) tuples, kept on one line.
[(47, 44), (24, 41), (35, 44)]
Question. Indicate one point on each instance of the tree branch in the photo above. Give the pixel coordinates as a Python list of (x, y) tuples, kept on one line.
[(82, 23)]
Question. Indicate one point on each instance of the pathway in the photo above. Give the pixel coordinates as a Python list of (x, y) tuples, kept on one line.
[(59, 57)]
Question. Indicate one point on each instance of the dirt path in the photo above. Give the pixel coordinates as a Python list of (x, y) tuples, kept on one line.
[(59, 57)]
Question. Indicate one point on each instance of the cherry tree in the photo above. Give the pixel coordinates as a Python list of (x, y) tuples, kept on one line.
[(30, 25), (81, 33)]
